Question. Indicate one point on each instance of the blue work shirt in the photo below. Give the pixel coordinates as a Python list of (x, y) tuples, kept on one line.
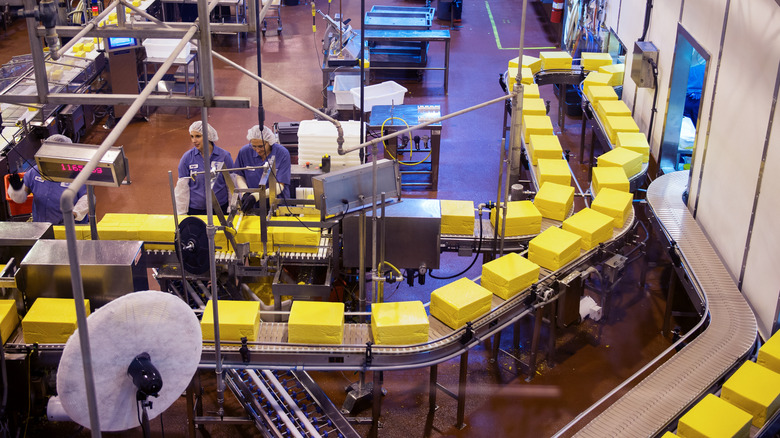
[(191, 162), (247, 157), (46, 197)]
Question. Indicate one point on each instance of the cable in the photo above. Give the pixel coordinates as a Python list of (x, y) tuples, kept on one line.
[(382, 133), (479, 249)]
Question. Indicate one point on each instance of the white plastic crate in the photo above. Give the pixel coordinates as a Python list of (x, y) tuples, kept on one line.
[(318, 137), (341, 86), (163, 47), (386, 93)]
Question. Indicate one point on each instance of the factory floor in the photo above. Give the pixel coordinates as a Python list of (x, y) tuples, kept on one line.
[(590, 358)]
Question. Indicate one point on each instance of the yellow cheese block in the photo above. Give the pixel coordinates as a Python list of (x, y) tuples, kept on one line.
[(613, 203), (544, 146), (612, 177), (78, 47), (635, 141), (508, 275), (596, 78), (554, 201), (316, 322), (527, 79), (532, 62), (294, 238), (592, 226), (595, 93), (592, 61), (10, 319), (50, 320), (539, 125), (56, 74), (136, 3), (401, 323), (769, 354), (553, 170), (89, 46), (755, 390), (250, 231), (158, 228), (522, 219), (628, 160), (531, 91), (555, 60), (616, 71), (669, 435), (237, 319), (457, 217), (82, 232), (79, 54), (714, 417), (554, 248), (615, 124), (534, 106), (606, 108), (460, 302), (120, 226)]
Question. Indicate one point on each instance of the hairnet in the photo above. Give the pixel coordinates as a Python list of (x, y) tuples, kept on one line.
[(59, 138), (198, 127), (255, 133)]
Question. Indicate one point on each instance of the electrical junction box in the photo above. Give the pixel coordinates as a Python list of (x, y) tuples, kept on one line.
[(641, 69)]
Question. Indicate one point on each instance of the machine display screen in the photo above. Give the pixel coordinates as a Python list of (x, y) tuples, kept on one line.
[(119, 43), (68, 171)]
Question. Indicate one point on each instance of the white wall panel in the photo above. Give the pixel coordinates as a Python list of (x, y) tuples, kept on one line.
[(703, 19), (742, 104), (762, 276)]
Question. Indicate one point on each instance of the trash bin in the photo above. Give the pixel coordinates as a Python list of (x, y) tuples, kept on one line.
[(444, 9)]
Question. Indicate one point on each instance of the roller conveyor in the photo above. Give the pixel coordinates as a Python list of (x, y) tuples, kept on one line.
[(679, 382)]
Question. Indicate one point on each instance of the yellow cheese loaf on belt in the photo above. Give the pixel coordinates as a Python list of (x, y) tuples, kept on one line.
[(628, 160), (612, 177), (532, 62), (634, 141), (755, 390), (237, 319), (553, 170), (522, 219), (714, 417), (558, 60), (553, 248), (596, 78), (615, 124), (508, 275), (616, 71), (457, 217), (592, 61), (460, 302), (400, 323), (606, 108), (316, 322), (593, 227), (534, 106), (530, 90), (769, 354), (613, 203), (51, 320), (554, 201), (595, 93), (10, 318), (544, 146), (534, 124)]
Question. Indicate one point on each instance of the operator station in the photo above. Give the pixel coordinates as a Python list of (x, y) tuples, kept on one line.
[(343, 218)]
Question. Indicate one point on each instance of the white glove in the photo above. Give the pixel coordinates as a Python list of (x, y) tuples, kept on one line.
[(18, 196), (241, 184), (182, 193), (81, 208)]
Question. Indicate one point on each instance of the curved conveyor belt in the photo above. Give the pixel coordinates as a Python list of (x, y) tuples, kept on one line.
[(658, 399)]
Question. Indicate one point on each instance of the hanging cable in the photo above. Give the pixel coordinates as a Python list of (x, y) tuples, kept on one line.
[(382, 134), (479, 250)]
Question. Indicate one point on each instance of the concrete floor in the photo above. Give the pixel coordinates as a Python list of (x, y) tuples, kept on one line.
[(589, 359)]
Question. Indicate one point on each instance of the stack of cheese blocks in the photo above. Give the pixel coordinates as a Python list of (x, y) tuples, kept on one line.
[(457, 217), (626, 159), (316, 322), (535, 124), (522, 219), (555, 170), (508, 275), (82, 232), (554, 201), (237, 319), (558, 60), (554, 248), (51, 320), (531, 66), (292, 239), (401, 323), (616, 72), (460, 302), (534, 106), (10, 319), (634, 141), (596, 78), (612, 177), (615, 204), (592, 226), (544, 146), (750, 396), (318, 137), (592, 60)]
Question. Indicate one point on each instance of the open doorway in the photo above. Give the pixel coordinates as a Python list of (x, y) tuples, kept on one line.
[(683, 112)]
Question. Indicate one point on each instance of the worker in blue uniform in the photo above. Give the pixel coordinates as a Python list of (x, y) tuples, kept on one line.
[(47, 193), (191, 190), (262, 144)]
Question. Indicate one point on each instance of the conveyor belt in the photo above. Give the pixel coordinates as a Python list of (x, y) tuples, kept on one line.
[(658, 399), (600, 132)]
